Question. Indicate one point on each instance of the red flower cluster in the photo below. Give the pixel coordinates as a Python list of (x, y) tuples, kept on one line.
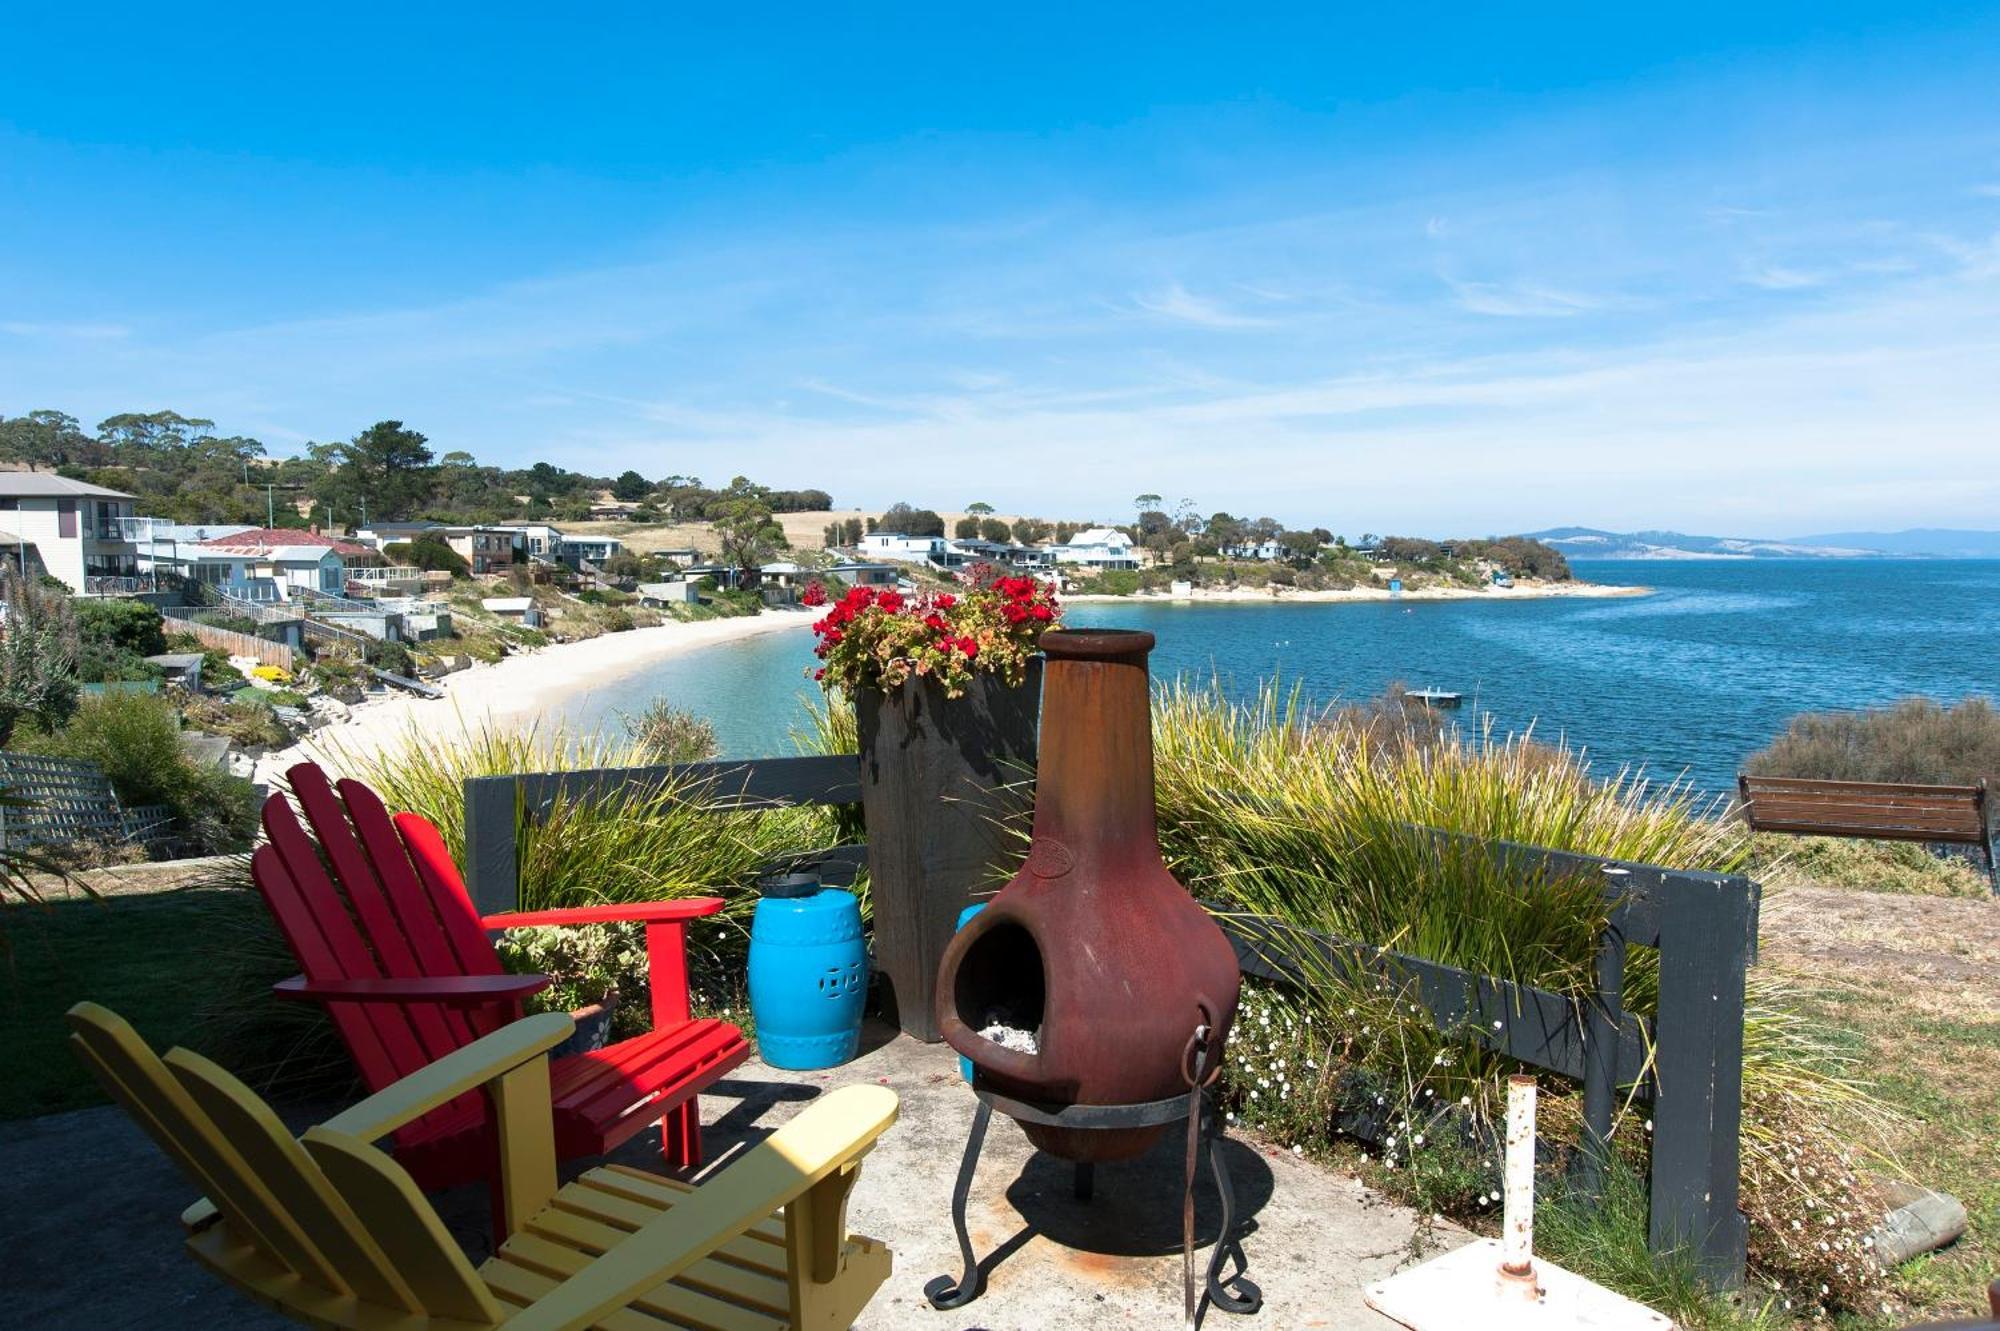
[(881, 638), (814, 594)]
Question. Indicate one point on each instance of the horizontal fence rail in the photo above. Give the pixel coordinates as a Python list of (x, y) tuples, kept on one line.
[(229, 640), (1687, 1062)]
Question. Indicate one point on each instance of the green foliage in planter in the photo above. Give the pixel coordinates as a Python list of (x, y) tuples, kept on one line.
[(584, 964)]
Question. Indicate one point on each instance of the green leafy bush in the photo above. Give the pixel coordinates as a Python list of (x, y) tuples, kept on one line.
[(430, 554), (135, 738)]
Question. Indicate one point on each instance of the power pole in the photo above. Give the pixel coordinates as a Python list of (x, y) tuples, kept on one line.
[(270, 506)]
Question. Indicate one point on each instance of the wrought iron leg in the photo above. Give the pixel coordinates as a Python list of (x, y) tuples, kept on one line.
[(1250, 1298), (941, 1291), (1084, 1184)]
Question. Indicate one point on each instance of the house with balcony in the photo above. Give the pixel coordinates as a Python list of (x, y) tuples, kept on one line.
[(485, 547), (284, 559), (899, 548), (69, 529), (1097, 547)]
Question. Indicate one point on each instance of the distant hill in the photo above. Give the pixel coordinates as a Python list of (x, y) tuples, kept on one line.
[(1937, 542), (1593, 543)]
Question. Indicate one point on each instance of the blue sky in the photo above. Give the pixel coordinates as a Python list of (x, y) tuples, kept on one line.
[(1441, 270)]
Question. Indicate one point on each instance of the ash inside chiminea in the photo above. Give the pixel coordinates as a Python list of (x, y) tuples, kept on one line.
[(1002, 1028)]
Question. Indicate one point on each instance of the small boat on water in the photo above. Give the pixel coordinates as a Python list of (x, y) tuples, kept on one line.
[(1435, 697)]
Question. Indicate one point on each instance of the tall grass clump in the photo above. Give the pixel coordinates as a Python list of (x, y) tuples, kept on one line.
[(1325, 820)]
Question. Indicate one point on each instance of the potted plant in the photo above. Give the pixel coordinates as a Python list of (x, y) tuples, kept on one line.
[(585, 967), (946, 688)]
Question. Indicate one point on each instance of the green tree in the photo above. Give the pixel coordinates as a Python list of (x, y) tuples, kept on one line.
[(979, 508), (630, 487), (746, 533), (994, 530), (966, 528), (910, 521), (45, 439), (386, 468), (1143, 502)]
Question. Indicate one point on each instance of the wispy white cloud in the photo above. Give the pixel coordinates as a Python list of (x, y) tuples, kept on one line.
[(68, 332), (1521, 301), (1776, 277), (1177, 303)]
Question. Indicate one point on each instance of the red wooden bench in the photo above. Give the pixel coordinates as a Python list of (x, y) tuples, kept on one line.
[(390, 942), (1878, 810)]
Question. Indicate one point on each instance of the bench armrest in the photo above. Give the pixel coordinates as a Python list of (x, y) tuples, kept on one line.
[(448, 990), (648, 912)]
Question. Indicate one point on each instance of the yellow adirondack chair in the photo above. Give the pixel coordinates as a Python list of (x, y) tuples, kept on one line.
[(329, 1230)]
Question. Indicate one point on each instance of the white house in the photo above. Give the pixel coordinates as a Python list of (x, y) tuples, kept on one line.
[(70, 529), (856, 574), (1266, 550), (678, 591), (894, 545), (291, 560), (574, 550), (1097, 547)]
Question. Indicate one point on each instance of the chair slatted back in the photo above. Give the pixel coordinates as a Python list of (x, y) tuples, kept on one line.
[(374, 916), (359, 1229)]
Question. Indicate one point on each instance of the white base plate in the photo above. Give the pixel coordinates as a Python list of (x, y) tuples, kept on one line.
[(1463, 1289)]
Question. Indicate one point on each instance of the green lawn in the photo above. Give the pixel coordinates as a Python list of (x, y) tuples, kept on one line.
[(148, 956)]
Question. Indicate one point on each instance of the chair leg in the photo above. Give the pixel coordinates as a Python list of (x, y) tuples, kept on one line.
[(680, 1134)]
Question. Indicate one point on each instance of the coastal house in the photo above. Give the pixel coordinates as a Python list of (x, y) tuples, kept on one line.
[(1264, 550), (680, 556), (1097, 547), (288, 559), (71, 530), (539, 540), (856, 573), (486, 547), (902, 549), (577, 551)]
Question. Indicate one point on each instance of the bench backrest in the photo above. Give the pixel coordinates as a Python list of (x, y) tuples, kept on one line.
[(1885, 810)]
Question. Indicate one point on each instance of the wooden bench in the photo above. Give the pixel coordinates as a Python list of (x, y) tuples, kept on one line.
[(1873, 810)]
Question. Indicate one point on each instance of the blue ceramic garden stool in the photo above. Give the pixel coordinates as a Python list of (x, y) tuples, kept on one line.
[(808, 978), (964, 1063)]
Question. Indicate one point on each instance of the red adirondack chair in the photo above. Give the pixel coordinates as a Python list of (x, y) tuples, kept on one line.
[(390, 942)]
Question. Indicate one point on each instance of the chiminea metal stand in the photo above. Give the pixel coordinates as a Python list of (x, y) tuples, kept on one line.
[(944, 1292)]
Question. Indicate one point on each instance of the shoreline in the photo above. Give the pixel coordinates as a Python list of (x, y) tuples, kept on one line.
[(520, 684), (1520, 591)]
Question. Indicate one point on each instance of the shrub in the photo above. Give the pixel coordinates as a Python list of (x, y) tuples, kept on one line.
[(430, 554), (668, 734), (135, 738), (38, 651), (1917, 740), (393, 657), (121, 626)]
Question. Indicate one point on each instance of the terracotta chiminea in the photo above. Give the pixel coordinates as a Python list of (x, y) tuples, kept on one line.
[(1097, 959)]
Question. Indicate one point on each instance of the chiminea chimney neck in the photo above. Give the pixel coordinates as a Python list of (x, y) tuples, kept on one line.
[(1094, 783)]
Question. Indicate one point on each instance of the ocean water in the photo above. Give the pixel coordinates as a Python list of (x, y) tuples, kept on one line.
[(1685, 681)]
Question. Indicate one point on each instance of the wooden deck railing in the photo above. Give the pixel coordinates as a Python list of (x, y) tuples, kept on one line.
[(1686, 1062)]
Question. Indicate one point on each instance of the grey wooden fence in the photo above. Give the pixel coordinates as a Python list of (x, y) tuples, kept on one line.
[(1687, 1062)]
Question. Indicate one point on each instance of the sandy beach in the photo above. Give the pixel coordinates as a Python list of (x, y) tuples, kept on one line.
[(521, 685), (1521, 591)]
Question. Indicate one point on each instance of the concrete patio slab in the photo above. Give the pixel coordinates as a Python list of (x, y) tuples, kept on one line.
[(95, 1241)]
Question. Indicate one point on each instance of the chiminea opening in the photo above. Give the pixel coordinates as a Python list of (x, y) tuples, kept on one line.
[(999, 990)]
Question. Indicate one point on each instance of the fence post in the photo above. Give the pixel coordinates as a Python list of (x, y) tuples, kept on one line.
[(1603, 1012), (1706, 933), (492, 851)]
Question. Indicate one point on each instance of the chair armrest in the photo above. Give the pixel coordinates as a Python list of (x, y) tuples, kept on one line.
[(828, 1135), (448, 990), (650, 912), (466, 1069)]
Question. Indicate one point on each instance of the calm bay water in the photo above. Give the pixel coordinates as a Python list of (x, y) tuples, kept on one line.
[(1689, 679)]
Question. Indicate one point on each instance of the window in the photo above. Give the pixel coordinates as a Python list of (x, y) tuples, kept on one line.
[(66, 518)]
